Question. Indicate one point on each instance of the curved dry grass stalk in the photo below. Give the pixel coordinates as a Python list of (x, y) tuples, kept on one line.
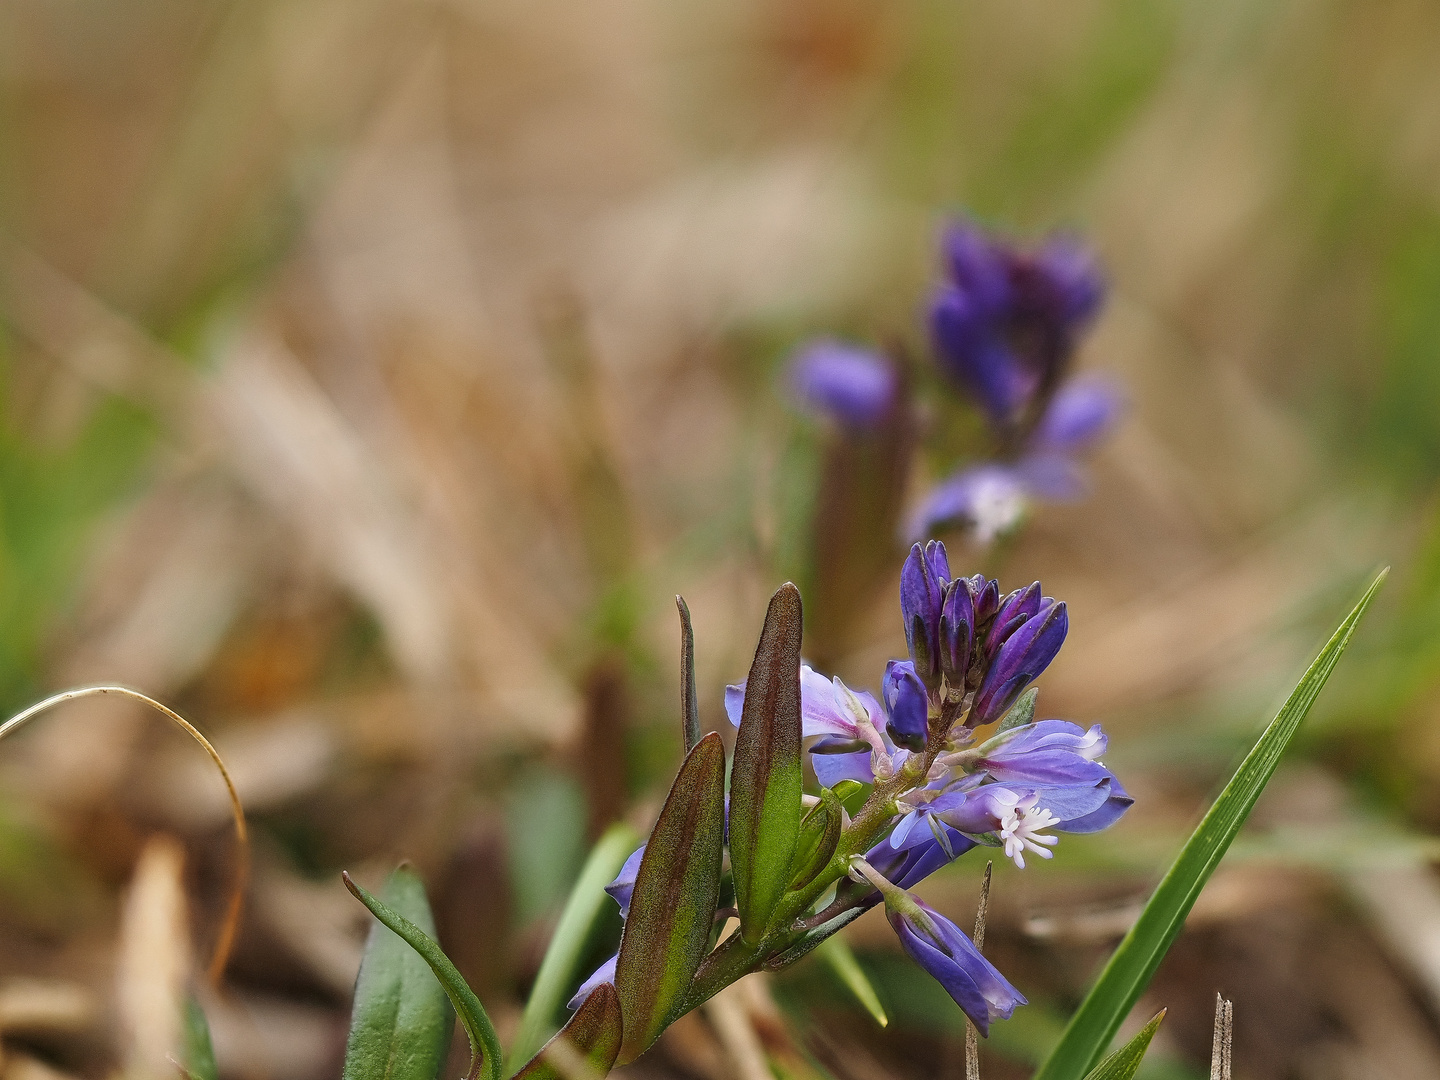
[(231, 924)]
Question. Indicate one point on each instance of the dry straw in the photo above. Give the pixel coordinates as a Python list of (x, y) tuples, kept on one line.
[(226, 940)]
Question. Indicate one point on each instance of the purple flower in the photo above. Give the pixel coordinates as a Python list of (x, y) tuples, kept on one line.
[(1006, 322), (1025, 650), (624, 883), (923, 580), (854, 386), (957, 629), (908, 705), (987, 501), (1082, 412), (991, 499), (850, 725), (1020, 814), (605, 973), (948, 954), (917, 860), (1050, 752)]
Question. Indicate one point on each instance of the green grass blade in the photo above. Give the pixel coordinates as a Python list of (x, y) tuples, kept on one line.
[(401, 1021), (199, 1052), (587, 901), (1123, 1063), (485, 1054), (1139, 954), (837, 954)]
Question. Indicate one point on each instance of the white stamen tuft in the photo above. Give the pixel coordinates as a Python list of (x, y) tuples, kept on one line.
[(1021, 828)]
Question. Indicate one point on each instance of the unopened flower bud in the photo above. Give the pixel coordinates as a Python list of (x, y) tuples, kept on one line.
[(907, 704)]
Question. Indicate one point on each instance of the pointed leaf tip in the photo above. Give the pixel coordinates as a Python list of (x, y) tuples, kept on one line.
[(767, 776), (401, 1020), (689, 699), (1123, 1063), (485, 1053), (1137, 956)]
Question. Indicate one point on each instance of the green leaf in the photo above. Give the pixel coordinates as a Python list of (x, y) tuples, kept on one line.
[(1122, 1064), (1022, 712), (401, 1021), (766, 778), (673, 904), (198, 1050), (1139, 954), (485, 1054), (587, 900), (585, 1048), (689, 700), (852, 795), (837, 954), (819, 837)]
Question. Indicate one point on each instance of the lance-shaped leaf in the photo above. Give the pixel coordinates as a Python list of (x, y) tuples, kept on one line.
[(1125, 1062), (1139, 953), (673, 904), (401, 1021), (485, 1054), (585, 1048), (766, 778), (689, 699)]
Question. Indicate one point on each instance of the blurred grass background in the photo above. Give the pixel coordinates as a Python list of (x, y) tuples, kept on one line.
[(375, 372)]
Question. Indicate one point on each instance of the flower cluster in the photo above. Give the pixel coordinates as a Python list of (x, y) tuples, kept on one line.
[(1004, 325), (937, 789), (973, 655)]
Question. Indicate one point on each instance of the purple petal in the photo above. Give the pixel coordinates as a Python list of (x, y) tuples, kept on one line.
[(830, 769), (605, 973), (624, 884), (1026, 653), (854, 386), (1053, 476), (948, 954), (989, 500), (1081, 413), (1110, 811)]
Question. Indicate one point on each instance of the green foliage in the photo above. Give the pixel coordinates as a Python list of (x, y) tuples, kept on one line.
[(767, 778), (545, 848), (52, 493), (198, 1050), (586, 903), (401, 1021), (673, 903), (847, 969), (484, 1044), (1123, 1063), (1139, 954)]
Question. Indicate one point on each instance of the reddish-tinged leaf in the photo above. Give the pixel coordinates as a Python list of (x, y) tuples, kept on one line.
[(673, 905), (766, 780), (585, 1048)]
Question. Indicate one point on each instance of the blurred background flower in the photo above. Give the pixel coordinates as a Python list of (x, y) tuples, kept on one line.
[(375, 373)]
